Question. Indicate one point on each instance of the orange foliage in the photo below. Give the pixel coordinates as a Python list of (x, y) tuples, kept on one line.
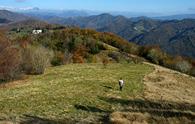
[(193, 63), (79, 54), (105, 62)]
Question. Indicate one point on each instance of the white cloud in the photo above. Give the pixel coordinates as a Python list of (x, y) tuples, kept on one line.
[(15, 9), (7, 7)]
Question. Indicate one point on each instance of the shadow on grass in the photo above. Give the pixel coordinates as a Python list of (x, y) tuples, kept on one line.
[(104, 119), (155, 108), (90, 109), (28, 119), (164, 109), (108, 87)]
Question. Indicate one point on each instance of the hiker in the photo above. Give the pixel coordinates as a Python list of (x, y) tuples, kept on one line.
[(121, 83)]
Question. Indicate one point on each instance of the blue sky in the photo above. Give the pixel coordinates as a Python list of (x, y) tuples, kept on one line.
[(154, 6)]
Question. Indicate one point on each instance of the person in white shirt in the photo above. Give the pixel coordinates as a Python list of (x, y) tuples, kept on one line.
[(121, 84)]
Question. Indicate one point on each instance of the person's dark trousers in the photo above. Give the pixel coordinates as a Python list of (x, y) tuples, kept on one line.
[(121, 88)]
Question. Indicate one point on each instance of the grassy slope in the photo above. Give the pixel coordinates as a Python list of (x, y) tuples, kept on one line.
[(73, 91), (168, 98)]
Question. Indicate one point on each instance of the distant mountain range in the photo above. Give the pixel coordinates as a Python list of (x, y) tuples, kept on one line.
[(46, 14), (8, 17), (37, 12), (177, 37), (11, 20), (176, 17), (174, 37)]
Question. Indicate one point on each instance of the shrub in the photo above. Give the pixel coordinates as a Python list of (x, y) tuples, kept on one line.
[(67, 57), (183, 66), (115, 56), (105, 61), (58, 59), (79, 54), (94, 49), (193, 63), (89, 58), (78, 59), (94, 59), (36, 59), (137, 60), (134, 49), (170, 63), (153, 56), (192, 72), (94, 46), (61, 58), (10, 61)]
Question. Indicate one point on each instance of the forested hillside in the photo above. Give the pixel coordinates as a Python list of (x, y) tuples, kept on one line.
[(169, 35)]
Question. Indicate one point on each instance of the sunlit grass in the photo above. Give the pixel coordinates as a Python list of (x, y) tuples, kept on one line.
[(58, 92)]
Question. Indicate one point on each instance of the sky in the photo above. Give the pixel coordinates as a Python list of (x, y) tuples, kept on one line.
[(144, 6)]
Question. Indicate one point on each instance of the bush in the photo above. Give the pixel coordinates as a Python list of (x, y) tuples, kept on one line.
[(79, 54), (115, 56), (192, 72), (134, 49), (137, 60), (36, 59), (153, 56), (61, 58), (105, 61), (94, 46), (94, 49), (170, 63), (67, 57), (183, 66), (10, 61), (58, 59)]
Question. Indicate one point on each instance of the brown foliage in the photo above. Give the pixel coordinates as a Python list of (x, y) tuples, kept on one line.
[(193, 62), (79, 54), (105, 61), (10, 60)]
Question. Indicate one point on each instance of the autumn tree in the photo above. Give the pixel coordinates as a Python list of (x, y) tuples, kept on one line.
[(10, 60)]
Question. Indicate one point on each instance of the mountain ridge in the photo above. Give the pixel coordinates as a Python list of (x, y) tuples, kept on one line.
[(144, 31), (12, 16), (141, 30)]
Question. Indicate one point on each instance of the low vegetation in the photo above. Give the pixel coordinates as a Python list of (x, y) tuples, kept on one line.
[(36, 59), (74, 45), (75, 92), (155, 55), (88, 42)]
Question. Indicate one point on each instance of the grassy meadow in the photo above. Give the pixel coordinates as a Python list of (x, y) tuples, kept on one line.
[(72, 93)]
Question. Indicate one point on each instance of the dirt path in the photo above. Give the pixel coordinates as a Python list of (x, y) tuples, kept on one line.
[(169, 85)]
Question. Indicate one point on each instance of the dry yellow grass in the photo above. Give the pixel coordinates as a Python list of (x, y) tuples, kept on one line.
[(166, 84), (128, 118), (168, 98)]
